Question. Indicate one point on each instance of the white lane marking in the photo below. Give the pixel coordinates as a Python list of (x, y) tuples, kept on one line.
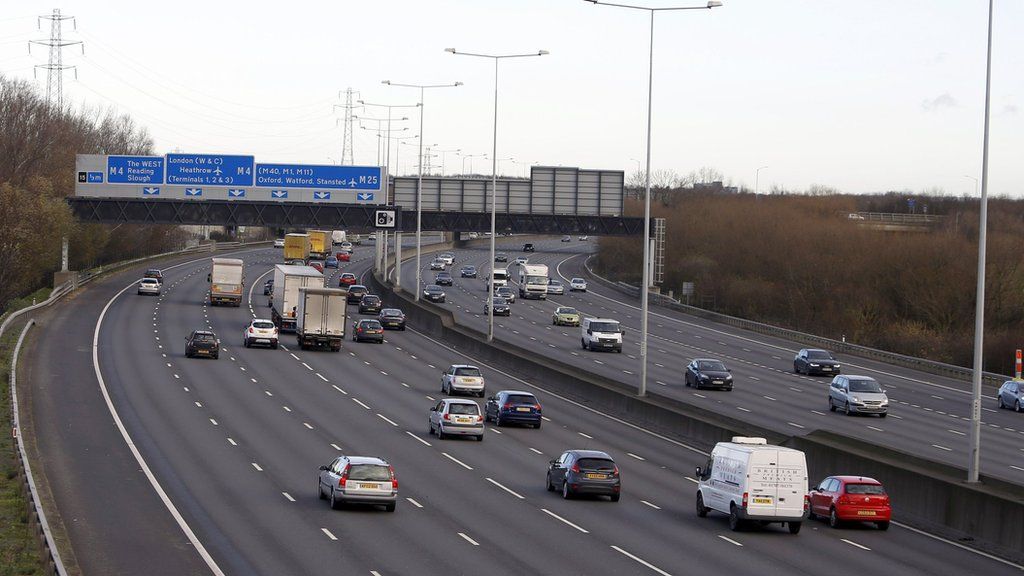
[(818, 413), (199, 404), (286, 409), (656, 507), (256, 466), (386, 419), (320, 376), (431, 398), (942, 448), (641, 560), (233, 443), (755, 378), (214, 422), (253, 380), (177, 377), (336, 447), (546, 419), (568, 523), (957, 432), (294, 356), (896, 416), (794, 424), (635, 456), (418, 439), (876, 429), (699, 395), (585, 436), (335, 386), (769, 398), (307, 366), (186, 388), (1017, 468), (414, 503), (742, 408), (729, 540), (852, 543), (495, 430), (328, 532), (694, 480), (512, 492), (268, 392), (468, 539), (357, 401), (456, 460), (242, 368), (284, 347), (307, 425), (541, 453), (288, 496)]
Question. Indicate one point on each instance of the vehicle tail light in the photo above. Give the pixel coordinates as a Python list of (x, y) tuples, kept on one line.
[(250, 329), (844, 499), (507, 406), (807, 503), (536, 407), (744, 504), (343, 479), (394, 481), (575, 467), (447, 417), (479, 418), (615, 471)]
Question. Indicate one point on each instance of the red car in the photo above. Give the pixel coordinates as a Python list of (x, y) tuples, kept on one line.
[(319, 266), (343, 257), (851, 499), (347, 279)]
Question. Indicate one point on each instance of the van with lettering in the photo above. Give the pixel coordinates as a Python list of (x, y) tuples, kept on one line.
[(754, 483)]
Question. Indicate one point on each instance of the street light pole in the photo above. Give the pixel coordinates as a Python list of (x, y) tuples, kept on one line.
[(757, 176), (974, 464), (494, 174), (645, 280), (470, 158)]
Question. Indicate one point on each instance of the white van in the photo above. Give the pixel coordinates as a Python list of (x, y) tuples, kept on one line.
[(752, 481), (601, 334)]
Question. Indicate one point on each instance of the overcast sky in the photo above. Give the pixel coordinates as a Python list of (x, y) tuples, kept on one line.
[(864, 96)]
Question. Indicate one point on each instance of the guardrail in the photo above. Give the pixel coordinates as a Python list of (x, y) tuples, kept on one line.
[(922, 364)]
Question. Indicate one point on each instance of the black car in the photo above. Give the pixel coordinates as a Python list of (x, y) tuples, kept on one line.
[(356, 293), (434, 293), (392, 318), (202, 343), (154, 273), (501, 307), (528, 247), (500, 257), (468, 272), (814, 361), (370, 304), (368, 330), (268, 287), (443, 279), (584, 472), (513, 406), (708, 373)]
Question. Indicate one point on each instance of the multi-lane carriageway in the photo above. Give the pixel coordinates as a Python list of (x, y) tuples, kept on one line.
[(234, 445)]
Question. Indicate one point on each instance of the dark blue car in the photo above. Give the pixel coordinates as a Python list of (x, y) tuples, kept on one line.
[(513, 407)]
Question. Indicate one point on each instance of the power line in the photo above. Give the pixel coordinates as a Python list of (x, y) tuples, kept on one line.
[(55, 66)]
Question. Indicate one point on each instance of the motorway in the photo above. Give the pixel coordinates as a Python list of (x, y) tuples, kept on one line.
[(929, 414), (235, 444)]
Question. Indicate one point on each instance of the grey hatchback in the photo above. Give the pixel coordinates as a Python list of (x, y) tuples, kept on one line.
[(1010, 394), (358, 480), (857, 395), (584, 472)]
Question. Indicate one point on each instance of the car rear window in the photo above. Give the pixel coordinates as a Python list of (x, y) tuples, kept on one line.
[(596, 464), (864, 386), (463, 409), (204, 338), (371, 324), (872, 489), (265, 324), (149, 281), (467, 372), (521, 399), (372, 472)]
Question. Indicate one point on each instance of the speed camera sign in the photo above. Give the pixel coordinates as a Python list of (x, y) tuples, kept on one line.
[(385, 219)]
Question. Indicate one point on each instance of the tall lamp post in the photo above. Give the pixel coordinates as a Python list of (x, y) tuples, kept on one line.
[(642, 391), (494, 172), (757, 177), (470, 158), (419, 179), (974, 463)]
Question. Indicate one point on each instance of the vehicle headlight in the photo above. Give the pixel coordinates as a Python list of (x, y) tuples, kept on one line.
[(704, 377), (855, 399), (837, 366), (885, 401), (814, 365)]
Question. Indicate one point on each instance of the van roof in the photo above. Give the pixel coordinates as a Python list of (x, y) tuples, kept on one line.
[(750, 448)]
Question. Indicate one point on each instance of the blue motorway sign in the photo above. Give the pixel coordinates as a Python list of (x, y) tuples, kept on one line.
[(134, 170), (318, 176), (212, 169)]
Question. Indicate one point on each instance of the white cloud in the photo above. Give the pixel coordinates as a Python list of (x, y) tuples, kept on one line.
[(943, 100)]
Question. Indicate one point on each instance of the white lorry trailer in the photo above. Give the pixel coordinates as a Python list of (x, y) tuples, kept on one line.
[(226, 281), (533, 281), (755, 482), (320, 318), (284, 301)]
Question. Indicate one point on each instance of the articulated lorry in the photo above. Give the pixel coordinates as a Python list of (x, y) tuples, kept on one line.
[(320, 318), (226, 281), (533, 281), (284, 302), (296, 247), (320, 244)]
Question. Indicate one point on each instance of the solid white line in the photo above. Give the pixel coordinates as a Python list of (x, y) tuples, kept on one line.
[(414, 503), (851, 543), (456, 460), (557, 517), (651, 505), (642, 561), (288, 496), (386, 419), (418, 439), (1017, 468), (256, 466), (729, 540), (495, 482), (328, 532), (468, 539), (320, 376), (356, 400)]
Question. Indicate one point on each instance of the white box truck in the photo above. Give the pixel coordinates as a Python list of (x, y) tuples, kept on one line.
[(338, 236), (284, 301), (226, 281), (499, 276), (533, 281), (320, 318), (754, 482)]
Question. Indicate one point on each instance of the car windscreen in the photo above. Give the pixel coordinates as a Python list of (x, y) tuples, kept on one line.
[(521, 399), (433, 288), (149, 281), (371, 299), (596, 464), (499, 301), (567, 311), (578, 280), (553, 282), (463, 409), (871, 489), (864, 386), (532, 279), (819, 355), (373, 472), (472, 372), (604, 326), (264, 324), (712, 366)]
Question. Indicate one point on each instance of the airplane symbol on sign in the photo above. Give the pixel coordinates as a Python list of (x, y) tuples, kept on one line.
[(193, 191), (321, 195), (150, 191), (279, 193), (217, 171)]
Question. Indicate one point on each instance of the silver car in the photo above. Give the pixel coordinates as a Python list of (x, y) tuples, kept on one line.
[(149, 286), (555, 287), (507, 293), (857, 395), (1010, 395), (358, 480), (462, 378), (578, 284), (456, 417)]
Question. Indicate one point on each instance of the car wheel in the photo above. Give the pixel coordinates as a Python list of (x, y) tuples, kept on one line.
[(566, 491), (796, 368), (734, 519), (390, 507), (833, 519), (583, 343), (444, 386), (551, 487), (883, 414), (537, 425), (702, 510), (999, 401), (686, 381), (320, 490), (480, 438), (245, 342), (794, 527), (187, 353), (216, 356), (274, 345), (335, 503), (430, 425), (1016, 406), (831, 405), (481, 393), (497, 419), (440, 433), (615, 497), (883, 526), (846, 408)]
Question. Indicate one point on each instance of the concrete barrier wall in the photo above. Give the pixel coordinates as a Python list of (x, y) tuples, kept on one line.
[(927, 495)]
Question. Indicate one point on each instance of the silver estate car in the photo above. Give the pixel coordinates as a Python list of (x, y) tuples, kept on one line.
[(358, 480), (456, 417), (857, 395), (462, 378), (149, 286)]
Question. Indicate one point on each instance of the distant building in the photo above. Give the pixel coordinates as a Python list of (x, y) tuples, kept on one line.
[(715, 188)]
